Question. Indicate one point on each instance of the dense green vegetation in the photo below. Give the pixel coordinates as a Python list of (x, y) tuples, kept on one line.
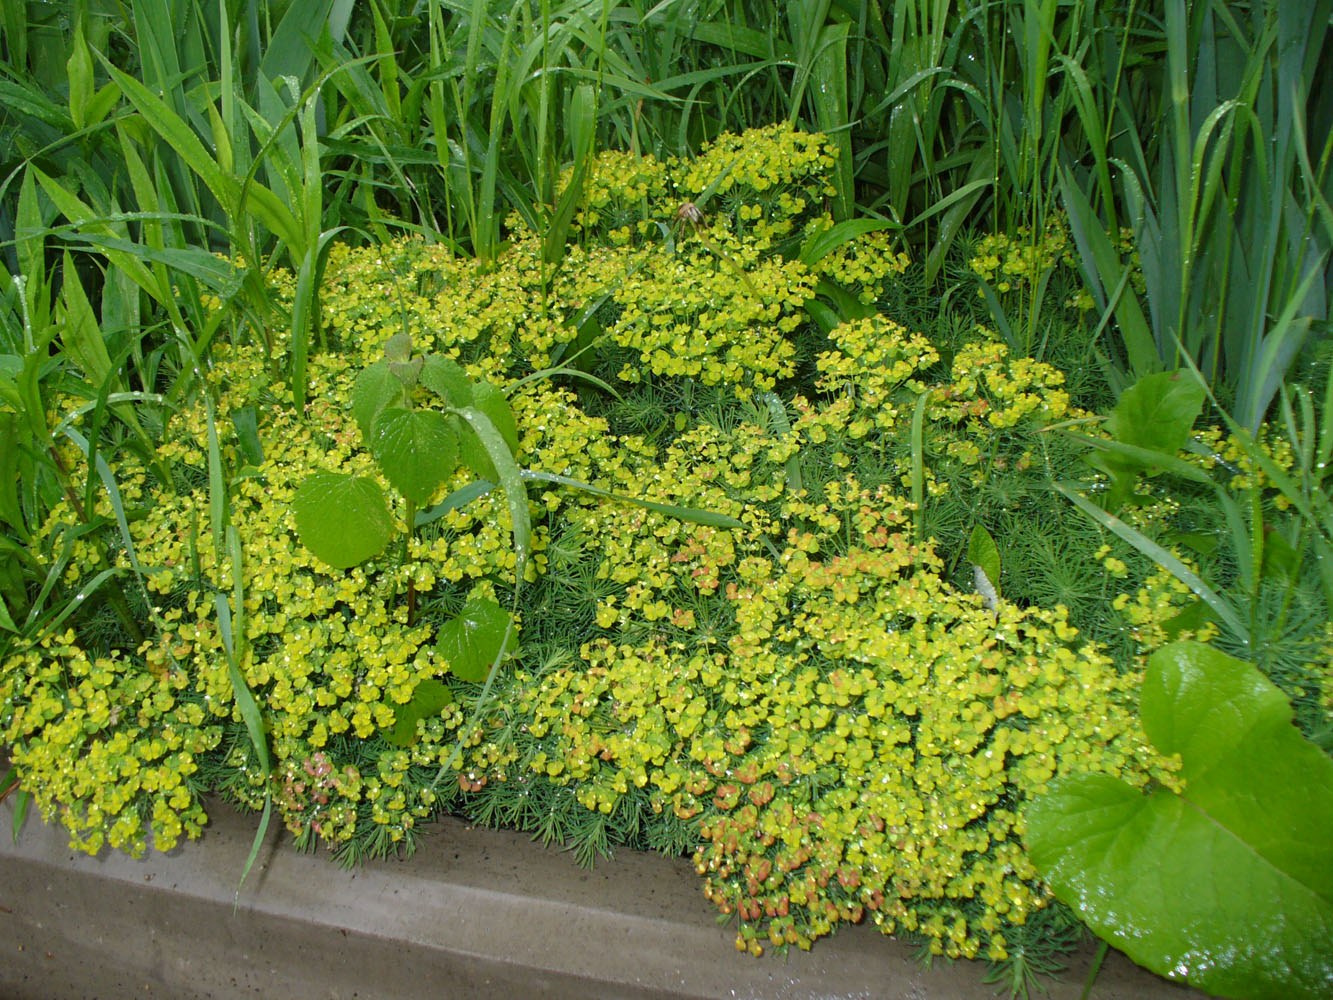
[(776, 436)]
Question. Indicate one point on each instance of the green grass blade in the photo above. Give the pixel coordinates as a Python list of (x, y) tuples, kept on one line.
[(177, 134), (1145, 457), (516, 494), (108, 479), (691, 514), (1103, 269), (1162, 557), (919, 466)]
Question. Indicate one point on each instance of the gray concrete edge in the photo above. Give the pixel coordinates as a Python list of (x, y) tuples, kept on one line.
[(475, 913)]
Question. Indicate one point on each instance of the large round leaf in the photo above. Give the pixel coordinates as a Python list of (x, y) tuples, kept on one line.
[(472, 642), (1228, 886), (342, 519), (417, 449)]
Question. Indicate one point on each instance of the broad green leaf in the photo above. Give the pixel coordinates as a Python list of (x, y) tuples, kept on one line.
[(474, 641), (398, 354), (245, 421), (342, 519), (490, 401), (1157, 412), (429, 698), (1229, 884), (417, 449), (376, 389), (845, 305), (1150, 423), (447, 379)]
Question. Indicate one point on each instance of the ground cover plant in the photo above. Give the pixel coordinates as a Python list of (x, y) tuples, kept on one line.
[(378, 441)]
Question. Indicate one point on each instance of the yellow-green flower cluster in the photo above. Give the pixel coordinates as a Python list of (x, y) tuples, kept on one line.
[(850, 736), (329, 655), (854, 737), (1016, 262), (713, 317), (621, 195), (872, 361), (774, 158), (989, 389), (108, 745), (864, 266), (693, 290)]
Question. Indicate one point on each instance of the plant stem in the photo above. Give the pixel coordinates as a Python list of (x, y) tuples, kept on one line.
[(1097, 960)]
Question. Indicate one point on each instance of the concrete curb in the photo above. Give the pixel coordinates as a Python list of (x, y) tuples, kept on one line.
[(475, 913)]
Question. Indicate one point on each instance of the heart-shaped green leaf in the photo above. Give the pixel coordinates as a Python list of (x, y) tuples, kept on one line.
[(428, 700), (473, 641), (375, 390), (417, 449), (1229, 885), (398, 354), (1152, 417), (447, 379), (398, 348), (342, 519)]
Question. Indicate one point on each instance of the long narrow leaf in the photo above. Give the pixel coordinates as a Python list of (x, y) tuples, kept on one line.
[(1167, 560)]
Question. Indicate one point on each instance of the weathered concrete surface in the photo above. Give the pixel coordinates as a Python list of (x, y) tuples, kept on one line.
[(476, 913)]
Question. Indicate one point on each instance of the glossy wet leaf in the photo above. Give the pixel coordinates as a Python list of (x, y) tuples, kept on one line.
[(1150, 423), (509, 478), (375, 390), (491, 401), (1229, 885), (342, 519), (428, 700), (472, 642), (819, 245), (417, 449)]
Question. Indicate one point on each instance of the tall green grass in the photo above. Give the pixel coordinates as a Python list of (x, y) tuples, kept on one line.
[(1228, 201)]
